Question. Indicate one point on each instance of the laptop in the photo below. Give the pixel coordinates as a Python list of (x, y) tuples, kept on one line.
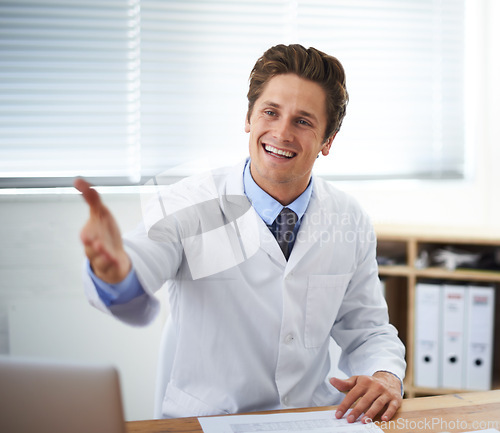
[(55, 397)]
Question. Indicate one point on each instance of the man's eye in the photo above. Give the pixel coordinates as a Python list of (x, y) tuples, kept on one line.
[(270, 113), (304, 122)]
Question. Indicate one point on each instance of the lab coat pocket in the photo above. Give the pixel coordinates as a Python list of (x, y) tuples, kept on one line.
[(178, 404), (324, 297)]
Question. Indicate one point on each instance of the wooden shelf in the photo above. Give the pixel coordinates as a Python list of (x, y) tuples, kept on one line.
[(422, 391), (440, 273), (394, 270), (404, 245), (459, 274)]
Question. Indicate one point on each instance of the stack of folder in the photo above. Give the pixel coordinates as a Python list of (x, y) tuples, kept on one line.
[(454, 336)]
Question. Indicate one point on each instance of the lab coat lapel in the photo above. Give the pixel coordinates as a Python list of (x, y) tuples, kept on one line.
[(269, 244), (239, 212), (253, 229), (311, 228), (254, 232), (233, 198)]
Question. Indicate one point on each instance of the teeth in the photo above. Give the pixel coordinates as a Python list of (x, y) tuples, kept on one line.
[(280, 152)]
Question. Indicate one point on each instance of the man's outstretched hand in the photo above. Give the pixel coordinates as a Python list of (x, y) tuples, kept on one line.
[(373, 395), (102, 239)]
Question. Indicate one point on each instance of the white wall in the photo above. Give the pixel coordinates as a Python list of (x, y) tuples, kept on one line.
[(40, 254), (43, 312)]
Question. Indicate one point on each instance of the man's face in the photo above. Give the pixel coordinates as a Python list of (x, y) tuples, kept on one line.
[(287, 128)]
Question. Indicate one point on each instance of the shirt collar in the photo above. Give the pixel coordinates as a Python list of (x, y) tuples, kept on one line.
[(266, 206)]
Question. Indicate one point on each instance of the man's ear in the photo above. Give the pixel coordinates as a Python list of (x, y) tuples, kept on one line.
[(247, 124), (325, 150)]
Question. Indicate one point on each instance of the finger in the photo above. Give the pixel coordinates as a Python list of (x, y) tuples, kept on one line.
[(81, 184), (372, 391), (343, 385), (351, 397), (90, 195), (394, 405), (363, 394), (96, 250), (88, 234), (359, 408), (373, 408)]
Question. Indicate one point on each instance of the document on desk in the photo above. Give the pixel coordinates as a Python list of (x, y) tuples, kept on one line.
[(490, 430), (300, 422)]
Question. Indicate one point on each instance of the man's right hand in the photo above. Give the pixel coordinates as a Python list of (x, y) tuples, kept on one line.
[(102, 239)]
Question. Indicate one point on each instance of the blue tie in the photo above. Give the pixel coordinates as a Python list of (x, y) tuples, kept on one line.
[(285, 223)]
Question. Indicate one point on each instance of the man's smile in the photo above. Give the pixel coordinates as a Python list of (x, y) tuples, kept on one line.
[(279, 153)]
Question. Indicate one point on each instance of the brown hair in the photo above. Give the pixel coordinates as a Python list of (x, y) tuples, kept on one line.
[(310, 64)]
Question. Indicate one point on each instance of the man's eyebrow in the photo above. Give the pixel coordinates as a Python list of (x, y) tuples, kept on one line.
[(307, 114), (272, 104), (301, 112)]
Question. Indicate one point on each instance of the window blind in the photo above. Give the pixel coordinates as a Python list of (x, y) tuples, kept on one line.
[(196, 60), (121, 90), (69, 91), (404, 62)]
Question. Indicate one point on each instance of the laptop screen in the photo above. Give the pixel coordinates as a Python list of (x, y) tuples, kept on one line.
[(52, 397)]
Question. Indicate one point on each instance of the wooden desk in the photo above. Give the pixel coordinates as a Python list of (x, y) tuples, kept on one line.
[(452, 413)]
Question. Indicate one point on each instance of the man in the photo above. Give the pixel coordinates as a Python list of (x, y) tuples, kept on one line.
[(256, 294)]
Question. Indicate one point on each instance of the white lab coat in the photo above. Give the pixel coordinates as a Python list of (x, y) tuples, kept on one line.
[(252, 329)]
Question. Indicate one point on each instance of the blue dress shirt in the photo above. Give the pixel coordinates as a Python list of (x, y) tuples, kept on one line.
[(267, 207)]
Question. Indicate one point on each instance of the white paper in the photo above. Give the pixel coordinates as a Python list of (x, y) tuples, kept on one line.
[(304, 422), (490, 430)]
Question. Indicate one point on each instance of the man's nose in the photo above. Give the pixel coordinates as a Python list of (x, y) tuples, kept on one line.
[(282, 130)]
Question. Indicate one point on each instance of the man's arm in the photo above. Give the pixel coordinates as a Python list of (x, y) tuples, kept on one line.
[(372, 353), (102, 239), (122, 275), (119, 293)]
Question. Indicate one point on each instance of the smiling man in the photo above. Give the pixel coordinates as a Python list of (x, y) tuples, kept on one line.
[(264, 262), (287, 125)]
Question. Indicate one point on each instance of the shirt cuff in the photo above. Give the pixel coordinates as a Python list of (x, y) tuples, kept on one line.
[(119, 293)]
